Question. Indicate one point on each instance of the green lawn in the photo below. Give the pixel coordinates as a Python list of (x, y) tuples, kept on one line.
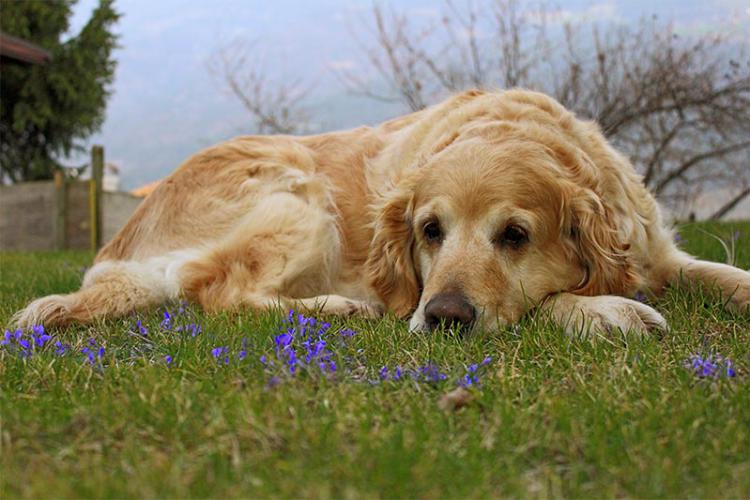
[(550, 416)]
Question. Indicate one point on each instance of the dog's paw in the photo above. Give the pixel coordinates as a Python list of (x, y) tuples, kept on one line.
[(48, 311), (609, 314), (739, 299)]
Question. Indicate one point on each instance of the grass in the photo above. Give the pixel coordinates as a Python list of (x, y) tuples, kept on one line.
[(550, 417)]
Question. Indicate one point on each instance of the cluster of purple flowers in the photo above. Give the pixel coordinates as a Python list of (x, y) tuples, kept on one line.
[(431, 373), (304, 344), (473, 373), (710, 366), (25, 344), (93, 352), (171, 322), (307, 345)]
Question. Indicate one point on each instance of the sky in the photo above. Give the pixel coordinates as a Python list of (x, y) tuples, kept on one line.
[(167, 104)]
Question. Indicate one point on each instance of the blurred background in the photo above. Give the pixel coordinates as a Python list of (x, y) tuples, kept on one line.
[(155, 81)]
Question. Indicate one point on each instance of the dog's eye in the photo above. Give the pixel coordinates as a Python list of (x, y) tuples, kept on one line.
[(513, 236), (432, 232)]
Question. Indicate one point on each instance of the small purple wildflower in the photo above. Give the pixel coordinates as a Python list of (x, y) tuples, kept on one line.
[(383, 372), (141, 329), (168, 359), (8, 338), (430, 373), (193, 329), (166, 323), (640, 297), (677, 238), (216, 352), (283, 340), (61, 349), (93, 353), (347, 332), (710, 366), (473, 372)]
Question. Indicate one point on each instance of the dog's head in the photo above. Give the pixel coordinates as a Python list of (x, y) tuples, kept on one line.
[(485, 230)]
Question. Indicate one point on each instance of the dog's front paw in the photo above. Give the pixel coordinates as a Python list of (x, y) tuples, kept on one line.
[(739, 299), (607, 314)]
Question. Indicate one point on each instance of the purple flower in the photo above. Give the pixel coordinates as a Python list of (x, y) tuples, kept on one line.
[(193, 329), (92, 353), (60, 348), (383, 372), (166, 323), (141, 329), (10, 337), (430, 373), (677, 237), (640, 297), (168, 359), (243, 354), (216, 352), (283, 340), (347, 332), (292, 361), (710, 366)]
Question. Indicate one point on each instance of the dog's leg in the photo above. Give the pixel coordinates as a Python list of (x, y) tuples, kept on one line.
[(733, 283), (584, 316), (338, 306), (110, 289)]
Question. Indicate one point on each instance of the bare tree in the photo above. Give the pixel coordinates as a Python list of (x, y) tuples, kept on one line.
[(679, 107), (276, 106)]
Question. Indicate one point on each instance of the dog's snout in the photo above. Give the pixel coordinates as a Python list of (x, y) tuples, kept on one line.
[(452, 309)]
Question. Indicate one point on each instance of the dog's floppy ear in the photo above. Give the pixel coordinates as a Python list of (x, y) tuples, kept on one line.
[(390, 264), (600, 247)]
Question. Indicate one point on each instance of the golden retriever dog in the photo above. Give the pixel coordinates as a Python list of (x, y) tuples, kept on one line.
[(469, 214)]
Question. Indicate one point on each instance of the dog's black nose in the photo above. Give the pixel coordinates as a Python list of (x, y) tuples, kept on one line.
[(452, 309)]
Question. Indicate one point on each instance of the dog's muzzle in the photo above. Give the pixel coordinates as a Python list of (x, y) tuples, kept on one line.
[(450, 309)]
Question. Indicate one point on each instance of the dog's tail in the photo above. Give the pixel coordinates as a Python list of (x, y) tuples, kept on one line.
[(110, 289)]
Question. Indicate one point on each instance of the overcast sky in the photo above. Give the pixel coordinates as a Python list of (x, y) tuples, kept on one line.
[(166, 105)]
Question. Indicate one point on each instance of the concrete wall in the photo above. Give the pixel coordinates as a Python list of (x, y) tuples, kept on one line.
[(28, 215)]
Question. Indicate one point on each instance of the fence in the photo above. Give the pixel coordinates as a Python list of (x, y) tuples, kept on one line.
[(64, 213)]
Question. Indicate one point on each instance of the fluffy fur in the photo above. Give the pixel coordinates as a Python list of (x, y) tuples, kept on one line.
[(338, 223)]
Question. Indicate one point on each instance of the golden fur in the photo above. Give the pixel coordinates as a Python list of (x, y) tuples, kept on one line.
[(339, 222)]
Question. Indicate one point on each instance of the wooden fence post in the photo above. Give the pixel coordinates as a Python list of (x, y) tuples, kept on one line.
[(95, 196), (61, 210)]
